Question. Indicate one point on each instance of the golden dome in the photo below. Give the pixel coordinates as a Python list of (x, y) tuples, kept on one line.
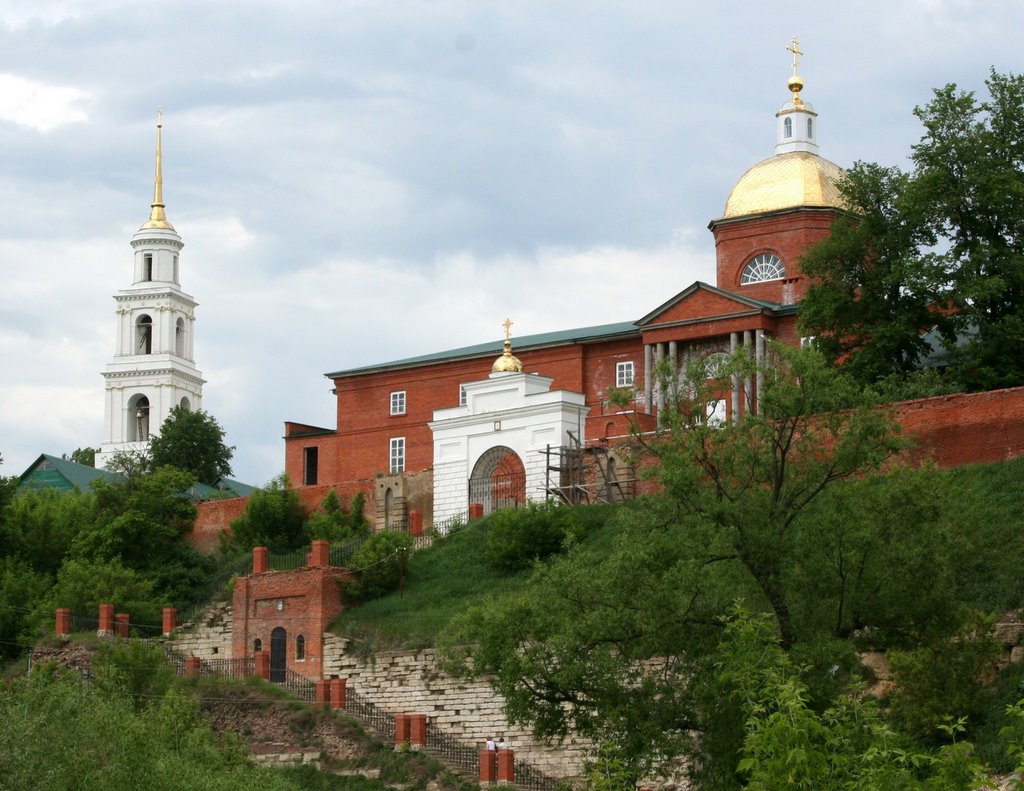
[(508, 363), (786, 181)]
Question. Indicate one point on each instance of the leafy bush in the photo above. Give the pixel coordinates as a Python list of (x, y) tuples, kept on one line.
[(273, 518), (334, 523), (378, 564), (134, 668), (943, 681), (517, 537)]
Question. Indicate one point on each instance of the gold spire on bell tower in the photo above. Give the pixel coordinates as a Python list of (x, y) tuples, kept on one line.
[(795, 83), (157, 217), (507, 363)]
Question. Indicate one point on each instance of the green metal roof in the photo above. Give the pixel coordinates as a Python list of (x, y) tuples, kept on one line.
[(521, 344), (51, 472), (237, 488)]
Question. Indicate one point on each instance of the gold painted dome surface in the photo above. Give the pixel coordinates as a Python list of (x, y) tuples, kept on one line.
[(786, 181), (507, 363)]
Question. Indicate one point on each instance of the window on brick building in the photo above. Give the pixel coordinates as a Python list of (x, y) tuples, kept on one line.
[(257, 645), (300, 648), (398, 402), (310, 461), (397, 454), (624, 373), (765, 266), (462, 395)]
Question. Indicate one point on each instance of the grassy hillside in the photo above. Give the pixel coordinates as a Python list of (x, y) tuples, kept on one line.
[(446, 579)]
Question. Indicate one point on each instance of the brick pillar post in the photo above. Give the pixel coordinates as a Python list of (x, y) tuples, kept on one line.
[(415, 523), (121, 624), (106, 620), (323, 693), (63, 624), (418, 730), (338, 693), (263, 664), (192, 665), (488, 766), (320, 554), (170, 621), (259, 560), (506, 766), (476, 510), (401, 729)]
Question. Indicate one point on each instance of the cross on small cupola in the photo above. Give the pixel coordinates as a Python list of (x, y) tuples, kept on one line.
[(507, 363), (796, 83), (797, 121)]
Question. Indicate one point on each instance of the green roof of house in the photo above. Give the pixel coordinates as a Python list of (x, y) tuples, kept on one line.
[(524, 343), (51, 472)]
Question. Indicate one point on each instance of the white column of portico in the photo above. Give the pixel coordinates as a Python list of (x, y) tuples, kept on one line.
[(759, 356), (734, 342), (649, 378)]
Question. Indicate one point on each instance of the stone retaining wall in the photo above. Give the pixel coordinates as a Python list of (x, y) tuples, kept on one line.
[(211, 636), (414, 682)]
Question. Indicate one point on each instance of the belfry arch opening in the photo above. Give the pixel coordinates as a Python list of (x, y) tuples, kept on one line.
[(179, 337), (144, 335), (138, 419), (498, 480)]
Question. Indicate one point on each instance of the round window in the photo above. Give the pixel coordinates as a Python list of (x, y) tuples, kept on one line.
[(766, 266)]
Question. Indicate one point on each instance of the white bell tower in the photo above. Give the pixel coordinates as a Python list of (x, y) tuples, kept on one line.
[(153, 369)]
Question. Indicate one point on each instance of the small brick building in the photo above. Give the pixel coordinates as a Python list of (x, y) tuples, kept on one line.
[(287, 613)]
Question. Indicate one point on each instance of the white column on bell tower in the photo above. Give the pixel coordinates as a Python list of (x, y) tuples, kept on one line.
[(153, 368)]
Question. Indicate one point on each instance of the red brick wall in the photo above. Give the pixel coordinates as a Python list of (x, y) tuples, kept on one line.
[(966, 428), (213, 518), (310, 599)]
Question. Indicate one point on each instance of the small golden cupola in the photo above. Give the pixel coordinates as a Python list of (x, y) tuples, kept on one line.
[(507, 363)]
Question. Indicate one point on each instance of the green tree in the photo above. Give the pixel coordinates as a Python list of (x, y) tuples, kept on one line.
[(847, 745), (192, 441), (874, 293), (21, 589), (970, 185), (939, 248), (64, 734), (379, 564), (752, 478), (616, 645), (333, 522), (273, 518), (86, 456)]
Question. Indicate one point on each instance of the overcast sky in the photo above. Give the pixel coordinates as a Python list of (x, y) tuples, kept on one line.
[(363, 181)]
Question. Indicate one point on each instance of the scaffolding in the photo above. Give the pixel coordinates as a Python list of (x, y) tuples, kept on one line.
[(578, 475)]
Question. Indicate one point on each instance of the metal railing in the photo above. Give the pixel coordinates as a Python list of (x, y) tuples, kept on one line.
[(229, 668), (381, 721), (452, 752), (300, 686)]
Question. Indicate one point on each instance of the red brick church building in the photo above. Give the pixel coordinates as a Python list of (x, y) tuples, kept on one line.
[(431, 437)]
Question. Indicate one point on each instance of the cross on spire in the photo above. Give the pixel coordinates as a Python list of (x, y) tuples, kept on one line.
[(794, 47), (507, 324)]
